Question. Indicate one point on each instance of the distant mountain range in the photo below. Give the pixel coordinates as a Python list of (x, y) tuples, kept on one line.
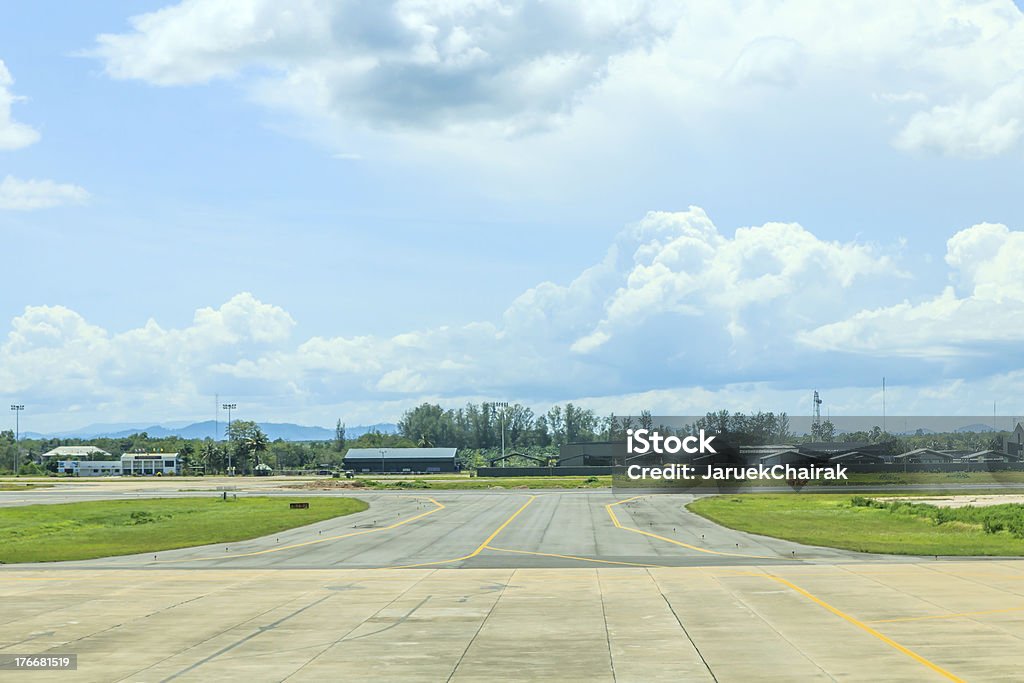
[(200, 430), (976, 428)]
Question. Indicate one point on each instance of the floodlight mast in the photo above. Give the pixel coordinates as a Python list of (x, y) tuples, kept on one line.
[(17, 408), (229, 407), (504, 406)]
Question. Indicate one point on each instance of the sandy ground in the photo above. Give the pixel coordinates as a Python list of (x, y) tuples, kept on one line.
[(958, 501)]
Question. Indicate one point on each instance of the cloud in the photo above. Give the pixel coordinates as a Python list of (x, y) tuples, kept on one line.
[(397, 63), (984, 320), (481, 70), (678, 271), (975, 129), (53, 353), (27, 195), (13, 135), (674, 302), (768, 61)]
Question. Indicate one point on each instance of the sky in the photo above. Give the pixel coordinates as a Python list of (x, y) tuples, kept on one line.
[(322, 210)]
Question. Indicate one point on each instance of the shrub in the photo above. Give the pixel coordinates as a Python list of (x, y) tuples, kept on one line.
[(992, 525)]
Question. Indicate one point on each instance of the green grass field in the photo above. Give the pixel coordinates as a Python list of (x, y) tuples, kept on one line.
[(462, 483), (80, 531), (844, 521)]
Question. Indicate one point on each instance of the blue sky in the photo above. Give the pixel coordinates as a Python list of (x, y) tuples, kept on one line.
[(336, 212)]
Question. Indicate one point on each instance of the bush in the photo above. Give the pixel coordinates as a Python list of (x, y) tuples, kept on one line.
[(992, 519), (992, 525)]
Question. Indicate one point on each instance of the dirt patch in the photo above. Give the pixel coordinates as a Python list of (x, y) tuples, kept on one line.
[(332, 484), (957, 501)]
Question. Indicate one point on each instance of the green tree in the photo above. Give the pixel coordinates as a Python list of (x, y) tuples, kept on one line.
[(213, 456), (339, 436), (256, 443)]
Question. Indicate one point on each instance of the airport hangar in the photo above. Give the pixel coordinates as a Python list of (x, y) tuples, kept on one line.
[(402, 460)]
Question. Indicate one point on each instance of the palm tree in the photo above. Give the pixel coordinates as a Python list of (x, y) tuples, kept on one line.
[(255, 444), (212, 456)]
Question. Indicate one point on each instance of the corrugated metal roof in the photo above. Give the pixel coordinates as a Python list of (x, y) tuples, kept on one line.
[(400, 454)]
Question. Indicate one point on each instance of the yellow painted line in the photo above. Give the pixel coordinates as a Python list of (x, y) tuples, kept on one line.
[(861, 625), (954, 615), (571, 557), (618, 525), (479, 548), (307, 543)]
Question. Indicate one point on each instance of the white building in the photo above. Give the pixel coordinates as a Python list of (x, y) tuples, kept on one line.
[(150, 464), (89, 468)]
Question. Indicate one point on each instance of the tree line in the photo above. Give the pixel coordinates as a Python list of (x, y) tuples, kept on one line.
[(476, 430)]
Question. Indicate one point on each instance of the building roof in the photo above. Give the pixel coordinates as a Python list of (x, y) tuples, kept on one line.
[(517, 454), (73, 452), (989, 453), (917, 452), (400, 454), (834, 447), (856, 456), (148, 456)]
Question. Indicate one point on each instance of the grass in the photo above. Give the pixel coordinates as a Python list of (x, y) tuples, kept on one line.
[(464, 483), (857, 523), (5, 486), (904, 478), (993, 478), (80, 531)]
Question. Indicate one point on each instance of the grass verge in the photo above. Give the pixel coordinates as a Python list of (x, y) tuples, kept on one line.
[(463, 484), (847, 522), (80, 531)]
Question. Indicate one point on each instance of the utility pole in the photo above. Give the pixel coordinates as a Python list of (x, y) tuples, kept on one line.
[(883, 405), (17, 408), (229, 407), (504, 406)]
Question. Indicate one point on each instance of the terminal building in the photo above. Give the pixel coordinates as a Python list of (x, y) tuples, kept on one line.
[(150, 464), (131, 464), (402, 460)]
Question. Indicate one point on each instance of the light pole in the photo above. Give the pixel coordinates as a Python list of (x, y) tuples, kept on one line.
[(504, 406), (383, 452), (17, 408), (229, 407)]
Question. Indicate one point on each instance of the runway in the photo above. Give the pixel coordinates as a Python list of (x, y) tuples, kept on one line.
[(516, 585)]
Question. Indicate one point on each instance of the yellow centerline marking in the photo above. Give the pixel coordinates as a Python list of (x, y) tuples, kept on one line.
[(954, 615), (861, 625), (307, 543), (571, 557), (618, 525), (479, 548)]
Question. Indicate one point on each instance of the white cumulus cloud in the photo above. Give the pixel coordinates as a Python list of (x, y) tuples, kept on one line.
[(983, 318), (970, 128), (677, 313), (27, 195), (13, 134)]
